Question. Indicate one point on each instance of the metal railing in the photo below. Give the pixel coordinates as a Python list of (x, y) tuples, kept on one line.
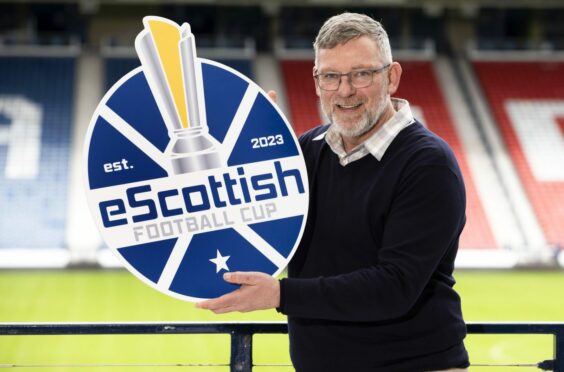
[(241, 359)]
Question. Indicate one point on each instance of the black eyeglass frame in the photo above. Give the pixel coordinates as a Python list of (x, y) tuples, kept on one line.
[(349, 76)]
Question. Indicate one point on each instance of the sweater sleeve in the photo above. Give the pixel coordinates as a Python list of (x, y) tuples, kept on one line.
[(421, 230)]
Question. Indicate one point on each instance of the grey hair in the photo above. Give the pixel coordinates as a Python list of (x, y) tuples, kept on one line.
[(347, 26)]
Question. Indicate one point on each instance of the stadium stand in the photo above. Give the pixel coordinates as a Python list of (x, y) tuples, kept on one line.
[(527, 101), (420, 87), (51, 96), (115, 68), (36, 104), (302, 101)]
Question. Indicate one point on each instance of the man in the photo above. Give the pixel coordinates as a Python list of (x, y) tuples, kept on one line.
[(370, 286)]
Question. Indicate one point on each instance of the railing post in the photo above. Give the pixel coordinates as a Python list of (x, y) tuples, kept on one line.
[(241, 352), (559, 350)]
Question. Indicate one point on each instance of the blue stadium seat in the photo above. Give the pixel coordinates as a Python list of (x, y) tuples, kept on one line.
[(33, 206)]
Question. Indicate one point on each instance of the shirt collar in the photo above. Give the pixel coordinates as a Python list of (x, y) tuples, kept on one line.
[(379, 141)]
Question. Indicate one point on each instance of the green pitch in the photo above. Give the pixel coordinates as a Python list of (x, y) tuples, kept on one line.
[(117, 296)]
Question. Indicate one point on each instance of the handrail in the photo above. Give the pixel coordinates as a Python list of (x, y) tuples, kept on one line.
[(242, 334)]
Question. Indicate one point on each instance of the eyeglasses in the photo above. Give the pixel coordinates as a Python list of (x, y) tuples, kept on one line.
[(357, 78)]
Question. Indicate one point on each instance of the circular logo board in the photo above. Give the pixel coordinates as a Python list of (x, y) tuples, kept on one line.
[(180, 207)]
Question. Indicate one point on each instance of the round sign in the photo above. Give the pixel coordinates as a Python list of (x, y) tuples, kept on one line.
[(182, 207)]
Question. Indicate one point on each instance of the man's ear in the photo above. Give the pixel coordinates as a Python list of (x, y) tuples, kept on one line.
[(394, 77), (315, 82)]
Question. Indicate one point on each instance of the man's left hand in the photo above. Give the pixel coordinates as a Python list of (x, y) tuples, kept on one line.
[(258, 291)]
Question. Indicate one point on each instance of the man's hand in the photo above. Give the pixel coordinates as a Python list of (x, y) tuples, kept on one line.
[(258, 291), (273, 95)]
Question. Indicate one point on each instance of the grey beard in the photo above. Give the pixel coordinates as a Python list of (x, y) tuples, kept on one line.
[(361, 127)]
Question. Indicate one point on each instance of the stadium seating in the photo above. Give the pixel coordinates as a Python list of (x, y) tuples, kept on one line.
[(117, 67), (34, 204), (36, 104), (302, 101), (527, 102), (420, 87)]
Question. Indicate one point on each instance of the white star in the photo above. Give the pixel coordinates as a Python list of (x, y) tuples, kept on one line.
[(220, 262)]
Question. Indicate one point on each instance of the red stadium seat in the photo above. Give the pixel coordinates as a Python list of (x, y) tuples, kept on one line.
[(302, 101), (527, 101)]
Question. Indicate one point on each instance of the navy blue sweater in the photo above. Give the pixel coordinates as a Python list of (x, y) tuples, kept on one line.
[(370, 287)]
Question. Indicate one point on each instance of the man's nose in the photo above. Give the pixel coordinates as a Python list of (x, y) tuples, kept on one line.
[(345, 87)]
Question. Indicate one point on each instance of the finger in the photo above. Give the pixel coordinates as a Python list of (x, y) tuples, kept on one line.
[(213, 304), (217, 303), (273, 95), (205, 304), (224, 310), (243, 278)]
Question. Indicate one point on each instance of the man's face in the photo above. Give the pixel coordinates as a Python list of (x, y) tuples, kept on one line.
[(354, 111)]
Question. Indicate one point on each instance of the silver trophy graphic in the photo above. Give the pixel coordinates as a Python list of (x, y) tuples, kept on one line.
[(168, 55)]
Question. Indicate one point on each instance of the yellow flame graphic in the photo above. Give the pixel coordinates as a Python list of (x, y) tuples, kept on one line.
[(166, 37)]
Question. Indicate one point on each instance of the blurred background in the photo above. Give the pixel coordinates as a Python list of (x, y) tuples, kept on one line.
[(485, 75)]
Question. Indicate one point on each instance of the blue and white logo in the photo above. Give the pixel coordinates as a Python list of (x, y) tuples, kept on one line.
[(191, 171)]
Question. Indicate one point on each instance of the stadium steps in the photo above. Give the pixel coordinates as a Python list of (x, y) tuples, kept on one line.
[(269, 77), (83, 238), (522, 209), (498, 207)]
